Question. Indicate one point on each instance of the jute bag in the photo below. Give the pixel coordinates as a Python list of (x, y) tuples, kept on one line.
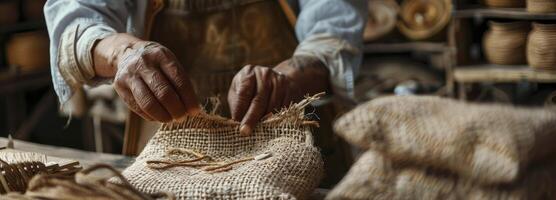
[(204, 157), (486, 143), (374, 176)]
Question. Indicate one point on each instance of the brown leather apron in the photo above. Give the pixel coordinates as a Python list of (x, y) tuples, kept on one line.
[(213, 40)]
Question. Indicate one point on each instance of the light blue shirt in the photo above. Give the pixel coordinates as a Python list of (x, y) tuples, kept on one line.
[(330, 30)]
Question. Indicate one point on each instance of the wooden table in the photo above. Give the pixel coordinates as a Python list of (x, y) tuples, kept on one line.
[(86, 158)]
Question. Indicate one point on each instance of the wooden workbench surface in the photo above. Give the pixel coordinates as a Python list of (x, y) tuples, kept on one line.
[(86, 158)]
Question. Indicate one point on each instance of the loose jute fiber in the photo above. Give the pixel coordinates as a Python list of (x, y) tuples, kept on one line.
[(204, 157), (488, 144), (83, 185)]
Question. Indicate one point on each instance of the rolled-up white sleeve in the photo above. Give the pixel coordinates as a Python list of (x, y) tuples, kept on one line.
[(332, 31), (74, 26)]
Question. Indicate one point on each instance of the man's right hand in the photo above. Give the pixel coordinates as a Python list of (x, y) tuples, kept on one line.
[(147, 76)]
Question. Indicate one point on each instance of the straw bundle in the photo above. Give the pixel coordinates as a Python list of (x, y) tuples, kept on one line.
[(381, 20), (17, 168), (541, 6), (423, 19), (84, 185), (505, 3), (541, 50), (505, 43)]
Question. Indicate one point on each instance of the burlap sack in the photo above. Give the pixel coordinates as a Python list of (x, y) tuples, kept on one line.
[(374, 176), (486, 143), (204, 157)]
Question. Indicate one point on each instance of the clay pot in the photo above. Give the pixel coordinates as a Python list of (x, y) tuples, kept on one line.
[(423, 19), (28, 51), (505, 3), (541, 48), (541, 6), (33, 9), (382, 18), (505, 43), (9, 12)]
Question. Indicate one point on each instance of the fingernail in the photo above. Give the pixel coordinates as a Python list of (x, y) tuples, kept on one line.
[(245, 130)]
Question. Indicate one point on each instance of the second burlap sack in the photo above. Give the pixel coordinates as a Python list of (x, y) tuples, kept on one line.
[(374, 176), (488, 144)]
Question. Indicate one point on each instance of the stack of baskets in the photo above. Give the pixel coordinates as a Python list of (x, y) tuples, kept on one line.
[(505, 43), (415, 19), (512, 43)]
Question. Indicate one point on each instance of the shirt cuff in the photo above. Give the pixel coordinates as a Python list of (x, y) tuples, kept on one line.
[(339, 56), (75, 59)]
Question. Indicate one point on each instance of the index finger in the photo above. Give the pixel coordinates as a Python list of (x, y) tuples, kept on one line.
[(179, 79), (259, 103)]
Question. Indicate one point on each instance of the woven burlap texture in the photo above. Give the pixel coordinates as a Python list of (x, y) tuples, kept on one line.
[(292, 171), (374, 176), (489, 144)]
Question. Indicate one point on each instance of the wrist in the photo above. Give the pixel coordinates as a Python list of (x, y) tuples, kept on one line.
[(107, 53), (308, 75)]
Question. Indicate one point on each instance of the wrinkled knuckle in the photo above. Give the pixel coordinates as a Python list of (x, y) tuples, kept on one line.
[(163, 93), (147, 103)]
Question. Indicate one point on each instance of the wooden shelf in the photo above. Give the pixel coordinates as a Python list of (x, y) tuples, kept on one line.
[(504, 13), (405, 47), (22, 26), (14, 82), (502, 74)]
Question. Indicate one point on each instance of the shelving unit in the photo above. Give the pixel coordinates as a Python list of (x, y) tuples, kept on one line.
[(402, 47), (504, 13), (464, 74)]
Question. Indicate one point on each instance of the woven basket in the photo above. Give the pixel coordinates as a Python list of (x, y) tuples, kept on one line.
[(204, 157), (505, 43), (24, 46), (541, 6), (505, 3), (423, 19), (541, 49), (382, 18)]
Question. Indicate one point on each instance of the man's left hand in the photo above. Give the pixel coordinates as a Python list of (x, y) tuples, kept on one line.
[(257, 91)]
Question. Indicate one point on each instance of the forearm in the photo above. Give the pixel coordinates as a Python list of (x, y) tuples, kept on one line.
[(74, 26), (331, 31)]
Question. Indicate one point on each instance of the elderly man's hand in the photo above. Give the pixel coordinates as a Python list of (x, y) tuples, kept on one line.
[(147, 76), (257, 91)]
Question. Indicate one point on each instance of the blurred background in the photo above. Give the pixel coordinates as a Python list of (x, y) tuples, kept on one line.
[(29, 107), (479, 51)]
